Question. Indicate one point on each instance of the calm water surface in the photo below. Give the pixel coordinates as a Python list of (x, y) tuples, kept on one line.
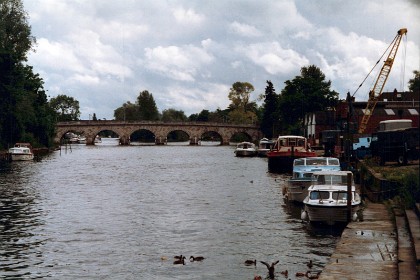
[(114, 212)]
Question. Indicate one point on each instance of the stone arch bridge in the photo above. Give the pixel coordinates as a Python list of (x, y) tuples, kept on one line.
[(160, 130)]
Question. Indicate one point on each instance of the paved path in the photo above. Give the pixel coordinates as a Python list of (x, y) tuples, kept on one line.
[(367, 249)]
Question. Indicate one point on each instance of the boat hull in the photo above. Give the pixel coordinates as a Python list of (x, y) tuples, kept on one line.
[(329, 214), (21, 157), (245, 153)]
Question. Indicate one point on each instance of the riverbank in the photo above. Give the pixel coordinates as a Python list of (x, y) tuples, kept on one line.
[(376, 248)]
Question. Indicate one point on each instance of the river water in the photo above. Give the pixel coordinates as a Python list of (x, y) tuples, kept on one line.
[(123, 212)]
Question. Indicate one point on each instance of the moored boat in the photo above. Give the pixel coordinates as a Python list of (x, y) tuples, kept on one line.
[(296, 188), (286, 149), (245, 149), (20, 152), (326, 201), (264, 146)]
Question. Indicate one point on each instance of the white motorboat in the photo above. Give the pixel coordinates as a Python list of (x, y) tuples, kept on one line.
[(327, 198), (21, 151), (264, 146), (296, 188), (246, 149)]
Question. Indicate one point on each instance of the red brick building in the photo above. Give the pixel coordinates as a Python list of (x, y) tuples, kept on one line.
[(391, 106)]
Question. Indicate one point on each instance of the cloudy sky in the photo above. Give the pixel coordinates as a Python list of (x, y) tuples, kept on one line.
[(189, 53)]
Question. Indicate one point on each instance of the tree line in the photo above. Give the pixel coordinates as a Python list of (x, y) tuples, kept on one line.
[(26, 114), (279, 113)]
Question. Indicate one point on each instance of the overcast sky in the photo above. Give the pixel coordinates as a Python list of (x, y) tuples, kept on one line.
[(189, 53)]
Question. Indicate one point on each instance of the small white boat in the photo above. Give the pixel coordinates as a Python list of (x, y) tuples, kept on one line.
[(264, 146), (296, 188), (327, 198), (245, 149), (21, 151), (81, 140)]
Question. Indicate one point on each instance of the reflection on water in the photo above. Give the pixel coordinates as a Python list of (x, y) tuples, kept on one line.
[(114, 212)]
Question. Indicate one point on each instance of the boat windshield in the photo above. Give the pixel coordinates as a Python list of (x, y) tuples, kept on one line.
[(316, 161), (332, 180), (319, 195), (339, 195)]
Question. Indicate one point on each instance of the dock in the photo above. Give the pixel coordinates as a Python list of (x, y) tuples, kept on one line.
[(376, 247)]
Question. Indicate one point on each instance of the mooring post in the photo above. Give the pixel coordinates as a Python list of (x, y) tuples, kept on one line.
[(349, 195)]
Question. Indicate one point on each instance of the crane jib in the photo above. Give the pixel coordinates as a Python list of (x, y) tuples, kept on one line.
[(376, 92)]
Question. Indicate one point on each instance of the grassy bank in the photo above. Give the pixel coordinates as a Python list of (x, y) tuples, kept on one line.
[(407, 178)]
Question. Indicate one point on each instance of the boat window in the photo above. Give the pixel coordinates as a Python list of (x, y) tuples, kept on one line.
[(318, 161), (282, 142), (333, 162), (301, 143), (339, 195), (292, 142), (319, 195), (332, 180), (321, 180), (299, 162), (307, 175)]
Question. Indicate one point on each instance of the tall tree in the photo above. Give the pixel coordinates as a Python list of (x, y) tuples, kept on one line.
[(270, 117), (239, 95), (147, 107), (306, 93), (242, 110), (66, 108), (24, 111), (15, 31)]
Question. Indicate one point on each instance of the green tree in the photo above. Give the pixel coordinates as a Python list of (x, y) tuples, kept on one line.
[(66, 108), (239, 95), (24, 111), (127, 112), (414, 83), (147, 107), (15, 31), (306, 93), (242, 110), (172, 115), (270, 115)]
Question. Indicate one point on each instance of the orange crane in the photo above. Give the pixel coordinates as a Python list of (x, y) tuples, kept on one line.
[(376, 92)]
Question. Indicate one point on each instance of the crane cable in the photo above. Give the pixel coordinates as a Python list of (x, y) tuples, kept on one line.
[(379, 60)]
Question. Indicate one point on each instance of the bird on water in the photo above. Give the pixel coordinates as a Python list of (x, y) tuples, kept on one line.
[(196, 259), (270, 268), (180, 261), (251, 262)]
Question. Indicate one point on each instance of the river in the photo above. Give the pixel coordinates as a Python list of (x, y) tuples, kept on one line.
[(123, 212)]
